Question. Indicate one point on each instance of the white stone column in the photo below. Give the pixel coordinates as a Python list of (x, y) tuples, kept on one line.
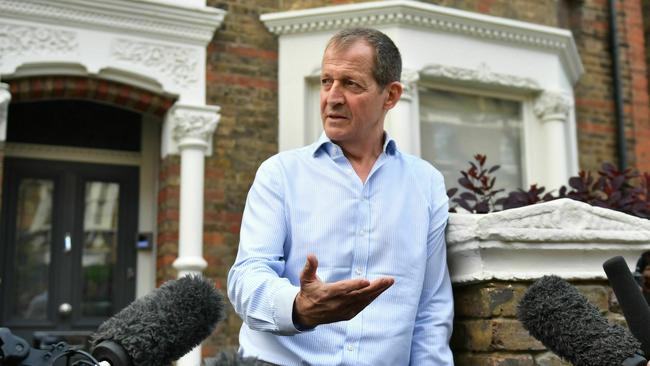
[(403, 121), (192, 128), (553, 111), (5, 98)]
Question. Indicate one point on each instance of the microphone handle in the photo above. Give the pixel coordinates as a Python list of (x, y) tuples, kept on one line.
[(110, 353), (635, 309)]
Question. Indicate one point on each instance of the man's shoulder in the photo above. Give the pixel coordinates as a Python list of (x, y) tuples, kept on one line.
[(420, 167), (287, 157)]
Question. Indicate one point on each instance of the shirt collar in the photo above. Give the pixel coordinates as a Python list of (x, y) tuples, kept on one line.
[(324, 144)]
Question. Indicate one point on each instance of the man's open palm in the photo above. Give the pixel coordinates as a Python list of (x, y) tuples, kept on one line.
[(322, 303)]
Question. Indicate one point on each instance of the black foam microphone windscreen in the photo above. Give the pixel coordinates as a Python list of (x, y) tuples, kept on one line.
[(555, 313), (167, 323), (635, 309)]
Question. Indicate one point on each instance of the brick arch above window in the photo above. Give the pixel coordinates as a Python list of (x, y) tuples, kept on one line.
[(87, 88)]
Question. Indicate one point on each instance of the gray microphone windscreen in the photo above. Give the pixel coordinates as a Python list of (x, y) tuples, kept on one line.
[(555, 313), (167, 323)]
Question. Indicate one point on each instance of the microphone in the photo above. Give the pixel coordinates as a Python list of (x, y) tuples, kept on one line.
[(556, 314), (162, 326), (635, 309)]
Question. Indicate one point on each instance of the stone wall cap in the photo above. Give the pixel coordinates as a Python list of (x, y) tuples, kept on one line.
[(562, 220)]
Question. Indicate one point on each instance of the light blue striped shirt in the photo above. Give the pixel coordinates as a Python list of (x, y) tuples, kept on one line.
[(310, 200)]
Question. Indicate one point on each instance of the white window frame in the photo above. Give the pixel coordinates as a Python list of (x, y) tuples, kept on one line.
[(458, 48)]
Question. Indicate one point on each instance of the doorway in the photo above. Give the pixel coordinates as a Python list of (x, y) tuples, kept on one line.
[(68, 253)]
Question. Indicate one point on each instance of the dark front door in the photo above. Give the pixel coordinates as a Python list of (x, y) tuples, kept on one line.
[(67, 251)]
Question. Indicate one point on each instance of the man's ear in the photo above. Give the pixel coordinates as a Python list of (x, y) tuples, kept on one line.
[(395, 90)]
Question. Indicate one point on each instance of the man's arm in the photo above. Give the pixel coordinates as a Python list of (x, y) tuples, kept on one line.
[(434, 320), (259, 295)]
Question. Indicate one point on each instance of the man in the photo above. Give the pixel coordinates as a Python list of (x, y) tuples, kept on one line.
[(342, 257)]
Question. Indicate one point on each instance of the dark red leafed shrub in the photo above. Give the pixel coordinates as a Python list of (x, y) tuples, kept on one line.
[(480, 195), (623, 191)]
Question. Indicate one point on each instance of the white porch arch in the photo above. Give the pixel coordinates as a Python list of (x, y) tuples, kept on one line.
[(156, 45)]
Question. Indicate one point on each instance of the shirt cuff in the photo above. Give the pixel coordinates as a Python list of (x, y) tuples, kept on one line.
[(283, 310)]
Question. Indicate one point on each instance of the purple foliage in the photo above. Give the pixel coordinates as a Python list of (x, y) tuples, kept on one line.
[(622, 191)]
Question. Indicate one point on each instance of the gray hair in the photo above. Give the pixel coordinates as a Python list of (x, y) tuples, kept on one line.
[(388, 61)]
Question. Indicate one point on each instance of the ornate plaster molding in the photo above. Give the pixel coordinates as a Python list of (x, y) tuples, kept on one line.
[(438, 18), (409, 81), (178, 63), (194, 124), (481, 75), (17, 40), (565, 237), (551, 106), (170, 21), (5, 98)]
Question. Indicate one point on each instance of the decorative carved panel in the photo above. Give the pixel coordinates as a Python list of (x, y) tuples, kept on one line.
[(17, 40), (178, 63)]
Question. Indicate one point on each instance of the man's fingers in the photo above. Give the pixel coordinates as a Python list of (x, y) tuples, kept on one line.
[(346, 286), (309, 271), (380, 284)]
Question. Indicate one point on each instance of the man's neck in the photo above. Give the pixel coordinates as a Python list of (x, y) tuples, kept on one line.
[(363, 158)]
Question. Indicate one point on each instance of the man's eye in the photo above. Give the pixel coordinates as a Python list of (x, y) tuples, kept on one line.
[(325, 81)]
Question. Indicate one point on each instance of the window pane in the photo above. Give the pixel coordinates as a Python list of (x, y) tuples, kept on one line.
[(33, 242), (100, 247), (455, 127), (74, 123)]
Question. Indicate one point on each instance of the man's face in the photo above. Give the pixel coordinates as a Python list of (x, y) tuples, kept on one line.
[(352, 104)]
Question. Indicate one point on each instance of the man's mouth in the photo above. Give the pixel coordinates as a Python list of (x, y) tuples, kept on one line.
[(335, 116)]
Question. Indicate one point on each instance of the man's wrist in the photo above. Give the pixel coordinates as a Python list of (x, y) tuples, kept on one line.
[(299, 321)]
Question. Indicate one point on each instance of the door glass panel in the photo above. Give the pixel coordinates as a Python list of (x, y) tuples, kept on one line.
[(99, 247), (33, 242)]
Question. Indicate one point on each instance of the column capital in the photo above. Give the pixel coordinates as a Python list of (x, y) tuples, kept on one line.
[(553, 106), (189, 126), (194, 124), (409, 83), (5, 98)]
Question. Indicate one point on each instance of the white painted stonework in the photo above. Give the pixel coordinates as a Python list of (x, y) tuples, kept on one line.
[(564, 237), (5, 98), (445, 48), (156, 45)]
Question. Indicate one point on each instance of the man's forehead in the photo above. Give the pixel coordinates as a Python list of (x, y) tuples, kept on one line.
[(358, 54)]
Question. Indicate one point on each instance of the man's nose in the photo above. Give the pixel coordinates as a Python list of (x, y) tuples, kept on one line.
[(335, 94)]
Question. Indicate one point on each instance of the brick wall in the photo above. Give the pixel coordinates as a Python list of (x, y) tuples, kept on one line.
[(242, 79), (71, 87), (487, 332), (594, 93), (637, 83), (646, 25), (168, 216)]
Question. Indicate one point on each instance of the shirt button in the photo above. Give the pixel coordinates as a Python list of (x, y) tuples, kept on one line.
[(362, 232), (358, 271), (350, 347)]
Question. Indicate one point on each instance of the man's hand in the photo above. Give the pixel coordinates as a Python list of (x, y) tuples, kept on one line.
[(322, 303)]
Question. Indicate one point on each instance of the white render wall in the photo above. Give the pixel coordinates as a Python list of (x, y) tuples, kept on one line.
[(447, 48), (564, 237)]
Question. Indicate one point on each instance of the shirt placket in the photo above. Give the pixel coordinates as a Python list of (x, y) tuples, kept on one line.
[(363, 234)]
